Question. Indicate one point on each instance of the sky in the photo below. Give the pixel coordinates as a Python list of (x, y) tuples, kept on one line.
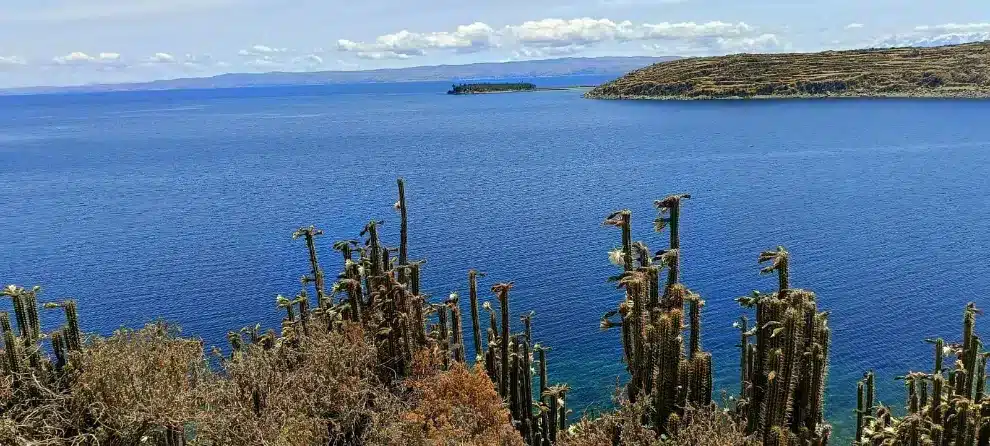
[(72, 42)]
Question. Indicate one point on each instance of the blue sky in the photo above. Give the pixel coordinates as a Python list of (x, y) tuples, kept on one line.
[(66, 42)]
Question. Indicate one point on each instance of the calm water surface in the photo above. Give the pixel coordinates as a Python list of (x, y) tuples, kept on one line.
[(182, 204)]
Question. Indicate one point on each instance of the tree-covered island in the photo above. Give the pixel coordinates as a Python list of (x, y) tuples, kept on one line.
[(490, 88)]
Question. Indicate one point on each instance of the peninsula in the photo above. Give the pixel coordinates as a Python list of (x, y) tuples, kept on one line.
[(956, 71), (491, 88)]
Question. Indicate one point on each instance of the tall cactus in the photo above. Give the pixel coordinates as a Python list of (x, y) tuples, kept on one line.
[(310, 233), (661, 370), (501, 291), (453, 303), (784, 387), (475, 322), (403, 230), (957, 412)]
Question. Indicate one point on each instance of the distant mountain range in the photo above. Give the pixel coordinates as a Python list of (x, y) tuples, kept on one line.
[(571, 66)]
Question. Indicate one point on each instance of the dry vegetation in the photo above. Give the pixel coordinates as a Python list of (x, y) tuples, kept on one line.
[(374, 363), (948, 71)]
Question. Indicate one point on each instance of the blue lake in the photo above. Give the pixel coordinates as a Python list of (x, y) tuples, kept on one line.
[(181, 205)]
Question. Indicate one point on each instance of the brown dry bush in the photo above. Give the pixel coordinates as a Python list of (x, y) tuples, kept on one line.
[(137, 383), (708, 426), (458, 406), (121, 390), (317, 389)]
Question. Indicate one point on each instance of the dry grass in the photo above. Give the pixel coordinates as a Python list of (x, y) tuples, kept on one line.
[(150, 387), (319, 389), (960, 70), (699, 427)]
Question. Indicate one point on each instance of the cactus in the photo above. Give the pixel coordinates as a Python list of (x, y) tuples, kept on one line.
[(501, 291), (73, 334), (475, 322), (957, 412), (661, 370), (779, 261), (403, 230), (860, 412), (310, 235), (12, 350), (453, 303), (784, 386), (59, 349), (346, 249)]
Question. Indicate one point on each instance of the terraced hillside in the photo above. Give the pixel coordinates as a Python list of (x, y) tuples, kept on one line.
[(948, 71)]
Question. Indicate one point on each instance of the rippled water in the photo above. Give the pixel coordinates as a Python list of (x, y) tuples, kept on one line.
[(181, 205)]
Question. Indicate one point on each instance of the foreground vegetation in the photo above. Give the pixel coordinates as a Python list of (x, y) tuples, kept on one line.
[(370, 361), (948, 71), (490, 88)]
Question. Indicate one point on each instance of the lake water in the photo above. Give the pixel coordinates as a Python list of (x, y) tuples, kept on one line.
[(181, 205)]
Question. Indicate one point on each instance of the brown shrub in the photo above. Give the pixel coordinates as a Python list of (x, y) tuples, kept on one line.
[(457, 406), (315, 390), (698, 427), (137, 383)]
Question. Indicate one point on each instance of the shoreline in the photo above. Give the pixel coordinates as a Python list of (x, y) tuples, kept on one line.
[(971, 95)]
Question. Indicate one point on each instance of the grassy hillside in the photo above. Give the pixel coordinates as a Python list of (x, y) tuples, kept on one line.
[(948, 71)]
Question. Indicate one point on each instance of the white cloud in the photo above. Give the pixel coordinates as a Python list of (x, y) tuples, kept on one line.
[(854, 26), (162, 58), (309, 60), (403, 44), (759, 44), (380, 55), (938, 35), (545, 37), (264, 62), (261, 50), (954, 27), (549, 33), (10, 61), (76, 58), (691, 30), (555, 37)]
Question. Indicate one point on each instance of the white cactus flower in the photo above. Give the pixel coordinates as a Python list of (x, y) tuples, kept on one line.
[(617, 257)]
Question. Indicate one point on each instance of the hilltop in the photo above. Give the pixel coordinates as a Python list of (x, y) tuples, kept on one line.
[(947, 71)]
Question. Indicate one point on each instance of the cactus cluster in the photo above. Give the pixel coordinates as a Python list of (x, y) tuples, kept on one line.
[(382, 294), (24, 357), (946, 406), (664, 375), (509, 360), (783, 370)]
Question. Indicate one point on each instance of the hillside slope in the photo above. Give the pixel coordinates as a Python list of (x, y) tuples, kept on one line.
[(948, 71)]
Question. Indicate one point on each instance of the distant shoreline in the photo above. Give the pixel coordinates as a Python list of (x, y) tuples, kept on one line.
[(973, 95)]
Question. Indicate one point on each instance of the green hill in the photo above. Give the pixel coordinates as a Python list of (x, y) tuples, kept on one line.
[(947, 71)]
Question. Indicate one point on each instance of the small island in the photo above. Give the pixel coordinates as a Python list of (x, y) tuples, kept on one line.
[(491, 88), (956, 71)]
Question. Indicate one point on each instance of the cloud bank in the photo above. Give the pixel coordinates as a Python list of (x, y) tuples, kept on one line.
[(938, 35), (553, 36)]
